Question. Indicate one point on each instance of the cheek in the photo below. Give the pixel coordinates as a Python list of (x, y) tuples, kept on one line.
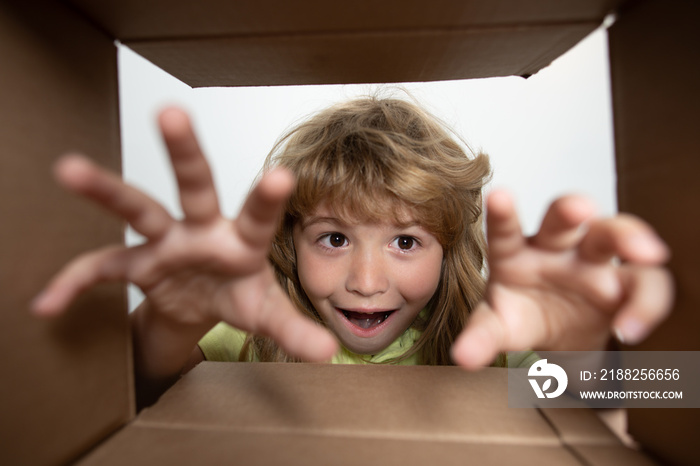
[(314, 276), (420, 282)]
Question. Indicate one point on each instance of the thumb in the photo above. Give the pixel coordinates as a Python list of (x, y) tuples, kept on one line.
[(296, 334), (482, 339)]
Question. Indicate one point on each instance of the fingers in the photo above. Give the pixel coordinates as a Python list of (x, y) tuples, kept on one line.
[(480, 342), (503, 230), (258, 220), (624, 236), (77, 276), (561, 226), (80, 175), (198, 196), (650, 293), (297, 335)]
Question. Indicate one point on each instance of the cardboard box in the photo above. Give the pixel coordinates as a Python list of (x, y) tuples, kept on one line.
[(343, 414), (67, 391)]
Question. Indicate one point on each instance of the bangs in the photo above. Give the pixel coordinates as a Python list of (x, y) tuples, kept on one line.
[(353, 202), (383, 161), (373, 187)]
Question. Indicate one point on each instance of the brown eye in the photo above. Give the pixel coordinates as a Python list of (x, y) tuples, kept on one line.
[(336, 240), (405, 242)]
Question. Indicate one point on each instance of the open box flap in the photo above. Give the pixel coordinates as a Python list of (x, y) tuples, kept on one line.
[(406, 402), (366, 57), (246, 43), (142, 20), (150, 445), (345, 414), (66, 382), (655, 71)]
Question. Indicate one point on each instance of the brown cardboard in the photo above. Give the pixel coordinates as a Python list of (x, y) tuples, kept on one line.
[(353, 58), (437, 403), (137, 20), (655, 111), (578, 426), (70, 380), (310, 42), (657, 147), (357, 414), (137, 445), (66, 383)]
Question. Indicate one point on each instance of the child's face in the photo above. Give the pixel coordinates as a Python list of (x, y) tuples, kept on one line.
[(367, 281)]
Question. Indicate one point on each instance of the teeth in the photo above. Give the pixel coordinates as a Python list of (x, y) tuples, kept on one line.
[(366, 322)]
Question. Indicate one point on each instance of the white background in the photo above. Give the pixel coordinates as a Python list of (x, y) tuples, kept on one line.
[(548, 135)]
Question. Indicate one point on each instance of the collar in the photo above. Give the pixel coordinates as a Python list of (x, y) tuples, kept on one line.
[(398, 347)]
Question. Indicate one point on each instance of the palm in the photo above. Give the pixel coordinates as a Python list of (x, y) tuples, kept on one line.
[(198, 270), (560, 289), (540, 286), (202, 266)]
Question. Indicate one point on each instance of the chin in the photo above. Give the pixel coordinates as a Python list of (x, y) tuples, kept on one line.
[(368, 347)]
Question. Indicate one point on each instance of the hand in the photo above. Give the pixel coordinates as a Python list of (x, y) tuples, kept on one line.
[(197, 271), (561, 290)]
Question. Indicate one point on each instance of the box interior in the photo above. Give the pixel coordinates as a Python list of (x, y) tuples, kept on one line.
[(655, 98), (71, 382), (67, 382), (248, 43), (368, 414)]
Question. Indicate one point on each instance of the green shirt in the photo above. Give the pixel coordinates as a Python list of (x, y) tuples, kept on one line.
[(224, 343)]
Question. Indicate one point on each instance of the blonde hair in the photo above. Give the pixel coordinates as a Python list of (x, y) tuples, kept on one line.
[(365, 157)]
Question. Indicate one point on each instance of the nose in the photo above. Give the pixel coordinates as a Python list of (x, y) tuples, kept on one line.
[(367, 274)]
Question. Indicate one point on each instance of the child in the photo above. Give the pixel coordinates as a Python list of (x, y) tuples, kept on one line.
[(380, 247), (376, 168)]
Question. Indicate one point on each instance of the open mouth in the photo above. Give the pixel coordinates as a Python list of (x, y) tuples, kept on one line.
[(366, 320)]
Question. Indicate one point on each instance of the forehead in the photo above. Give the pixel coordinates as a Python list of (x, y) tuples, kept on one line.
[(396, 214)]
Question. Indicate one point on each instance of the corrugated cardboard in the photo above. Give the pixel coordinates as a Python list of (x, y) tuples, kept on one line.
[(223, 43), (345, 414), (68, 383), (656, 100), (360, 58), (65, 383), (138, 20)]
